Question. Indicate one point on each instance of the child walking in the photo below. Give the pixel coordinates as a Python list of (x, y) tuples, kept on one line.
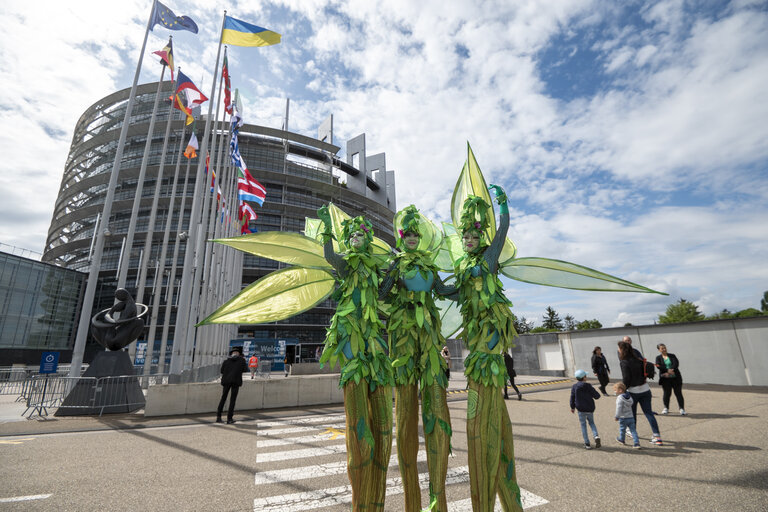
[(624, 414), (583, 397)]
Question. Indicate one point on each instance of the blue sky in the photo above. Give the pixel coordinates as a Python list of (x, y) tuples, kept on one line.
[(630, 136)]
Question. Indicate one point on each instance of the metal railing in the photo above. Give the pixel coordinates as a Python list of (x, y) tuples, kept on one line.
[(264, 370), (14, 380), (88, 394)]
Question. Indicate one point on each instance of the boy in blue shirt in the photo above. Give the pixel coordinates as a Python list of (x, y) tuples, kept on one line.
[(583, 397)]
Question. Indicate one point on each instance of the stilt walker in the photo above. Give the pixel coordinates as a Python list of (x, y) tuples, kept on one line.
[(415, 342)]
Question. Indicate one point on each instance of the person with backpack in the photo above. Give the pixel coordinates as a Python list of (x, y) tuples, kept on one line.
[(633, 375)]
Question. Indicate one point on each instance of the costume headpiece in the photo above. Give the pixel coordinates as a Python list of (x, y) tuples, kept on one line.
[(474, 217), (359, 223), (411, 222)]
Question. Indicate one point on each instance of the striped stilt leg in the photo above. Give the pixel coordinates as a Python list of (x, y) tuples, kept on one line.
[(407, 417), (437, 433), (381, 425), (484, 444), (359, 446)]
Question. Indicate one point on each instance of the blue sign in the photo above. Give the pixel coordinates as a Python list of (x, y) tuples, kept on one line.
[(141, 353), (49, 363)]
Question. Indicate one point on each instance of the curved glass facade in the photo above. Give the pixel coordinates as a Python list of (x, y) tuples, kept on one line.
[(299, 173)]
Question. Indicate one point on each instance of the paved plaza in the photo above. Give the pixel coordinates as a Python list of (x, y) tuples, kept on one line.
[(714, 459)]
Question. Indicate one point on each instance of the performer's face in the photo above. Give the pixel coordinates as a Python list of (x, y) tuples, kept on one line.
[(411, 240), (471, 241), (357, 239)]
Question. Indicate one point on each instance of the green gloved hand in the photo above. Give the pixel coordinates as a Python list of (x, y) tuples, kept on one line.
[(501, 197), (324, 215)]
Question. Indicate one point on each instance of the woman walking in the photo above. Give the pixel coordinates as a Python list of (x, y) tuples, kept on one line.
[(670, 378), (600, 369), (633, 376)]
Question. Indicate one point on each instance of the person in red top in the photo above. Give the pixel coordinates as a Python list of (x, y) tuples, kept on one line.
[(253, 364)]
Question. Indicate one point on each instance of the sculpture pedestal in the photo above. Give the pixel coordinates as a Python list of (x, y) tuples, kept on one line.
[(97, 395)]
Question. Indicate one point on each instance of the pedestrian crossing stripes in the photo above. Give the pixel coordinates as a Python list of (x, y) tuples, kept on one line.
[(321, 498), (319, 430)]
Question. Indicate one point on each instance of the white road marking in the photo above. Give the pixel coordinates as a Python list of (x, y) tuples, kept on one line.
[(316, 471), (302, 421), (330, 497), (296, 430), (25, 498), (320, 436), (300, 454)]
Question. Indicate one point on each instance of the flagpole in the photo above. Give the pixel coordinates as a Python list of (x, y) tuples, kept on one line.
[(214, 270), (93, 273), (163, 253), (184, 333), (210, 226), (174, 263), (151, 230)]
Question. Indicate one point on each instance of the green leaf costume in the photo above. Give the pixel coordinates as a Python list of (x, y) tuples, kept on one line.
[(415, 344)]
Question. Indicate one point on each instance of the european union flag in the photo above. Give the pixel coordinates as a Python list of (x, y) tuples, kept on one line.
[(164, 16)]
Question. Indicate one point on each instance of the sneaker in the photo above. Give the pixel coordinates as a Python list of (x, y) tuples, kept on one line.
[(587, 447), (636, 447), (656, 440), (682, 412), (597, 442), (628, 432), (665, 411), (620, 441)]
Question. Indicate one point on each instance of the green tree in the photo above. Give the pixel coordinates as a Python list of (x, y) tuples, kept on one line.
[(681, 311), (764, 303), (552, 321), (589, 324), (570, 323), (722, 315), (541, 328), (522, 326), (748, 313), (628, 324)]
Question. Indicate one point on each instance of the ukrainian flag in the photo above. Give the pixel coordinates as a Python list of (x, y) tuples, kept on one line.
[(239, 33)]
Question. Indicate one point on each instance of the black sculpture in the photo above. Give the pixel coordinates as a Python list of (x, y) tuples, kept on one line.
[(109, 385), (116, 333)]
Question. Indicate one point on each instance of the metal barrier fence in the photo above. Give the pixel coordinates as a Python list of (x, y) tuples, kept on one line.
[(91, 393), (14, 380), (265, 369)]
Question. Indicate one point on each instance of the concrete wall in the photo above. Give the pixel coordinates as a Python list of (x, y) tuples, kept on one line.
[(526, 354), (731, 352), (197, 398)]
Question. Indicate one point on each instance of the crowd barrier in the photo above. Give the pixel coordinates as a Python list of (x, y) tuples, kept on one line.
[(43, 392)]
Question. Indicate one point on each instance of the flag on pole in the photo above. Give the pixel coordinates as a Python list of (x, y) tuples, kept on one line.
[(239, 33), (248, 189), (194, 96), (227, 85), (166, 56), (177, 104), (192, 147), (162, 15)]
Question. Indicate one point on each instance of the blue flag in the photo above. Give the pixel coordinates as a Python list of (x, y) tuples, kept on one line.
[(162, 15)]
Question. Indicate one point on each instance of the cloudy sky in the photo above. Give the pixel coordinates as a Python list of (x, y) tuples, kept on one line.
[(631, 137)]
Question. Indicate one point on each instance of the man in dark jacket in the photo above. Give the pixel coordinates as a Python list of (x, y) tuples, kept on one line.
[(232, 370), (511, 374)]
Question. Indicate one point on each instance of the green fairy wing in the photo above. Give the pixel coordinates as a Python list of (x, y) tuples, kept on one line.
[(563, 274), (450, 316), (290, 248), (450, 251), (276, 296)]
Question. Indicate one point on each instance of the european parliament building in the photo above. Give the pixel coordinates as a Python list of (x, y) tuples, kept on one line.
[(299, 172)]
